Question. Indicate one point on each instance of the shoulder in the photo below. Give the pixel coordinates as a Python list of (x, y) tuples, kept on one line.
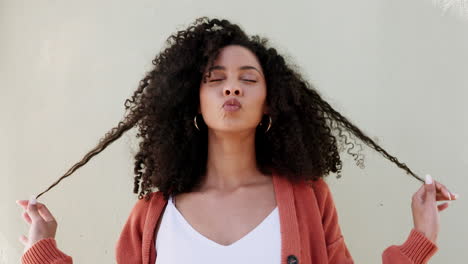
[(137, 216), (320, 187), (322, 193), (140, 207), (131, 237)]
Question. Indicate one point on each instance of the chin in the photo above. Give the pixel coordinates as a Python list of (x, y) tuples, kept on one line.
[(232, 129)]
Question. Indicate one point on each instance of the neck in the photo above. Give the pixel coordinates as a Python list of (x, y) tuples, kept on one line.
[(231, 162)]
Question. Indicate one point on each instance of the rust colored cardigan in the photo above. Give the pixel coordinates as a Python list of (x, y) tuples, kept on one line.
[(310, 232)]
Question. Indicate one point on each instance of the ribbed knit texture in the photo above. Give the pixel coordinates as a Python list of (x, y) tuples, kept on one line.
[(309, 225), (291, 244), (417, 247), (45, 251)]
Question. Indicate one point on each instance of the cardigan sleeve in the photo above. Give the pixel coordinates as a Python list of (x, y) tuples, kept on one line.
[(45, 251), (417, 249), (128, 249)]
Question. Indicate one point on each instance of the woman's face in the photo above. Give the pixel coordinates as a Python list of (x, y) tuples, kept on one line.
[(236, 73)]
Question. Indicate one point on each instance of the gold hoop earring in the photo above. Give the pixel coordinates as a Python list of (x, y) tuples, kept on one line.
[(195, 122), (269, 123)]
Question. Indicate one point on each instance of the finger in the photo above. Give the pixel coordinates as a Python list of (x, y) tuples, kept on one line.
[(454, 196), (442, 197), (24, 204), (419, 194), (442, 207), (46, 214), (27, 218), (442, 189), (32, 210), (23, 239), (430, 191)]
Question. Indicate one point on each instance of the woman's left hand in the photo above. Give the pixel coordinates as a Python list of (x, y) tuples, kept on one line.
[(425, 209), (42, 223)]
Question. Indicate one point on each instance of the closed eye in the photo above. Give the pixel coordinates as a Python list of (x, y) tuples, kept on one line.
[(243, 80)]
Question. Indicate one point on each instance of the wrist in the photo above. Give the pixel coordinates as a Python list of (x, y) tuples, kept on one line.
[(429, 235)]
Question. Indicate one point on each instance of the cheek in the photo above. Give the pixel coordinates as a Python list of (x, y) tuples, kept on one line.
[(259, 97), (207, 100)]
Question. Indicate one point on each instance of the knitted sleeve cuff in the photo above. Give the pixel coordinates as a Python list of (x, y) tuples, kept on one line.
[(45, 251), (418, 247)]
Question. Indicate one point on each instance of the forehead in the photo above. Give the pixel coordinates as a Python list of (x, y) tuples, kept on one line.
[(235, 57)]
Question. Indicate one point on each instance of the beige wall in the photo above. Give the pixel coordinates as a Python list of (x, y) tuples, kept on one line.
[(398, 69)]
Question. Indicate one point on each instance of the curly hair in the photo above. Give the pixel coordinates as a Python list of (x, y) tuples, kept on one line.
[(304, 141)]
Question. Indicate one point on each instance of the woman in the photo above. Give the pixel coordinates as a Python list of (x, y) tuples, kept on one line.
[(237, 144)]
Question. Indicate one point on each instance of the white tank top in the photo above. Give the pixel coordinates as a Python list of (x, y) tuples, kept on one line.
[(178, 242)]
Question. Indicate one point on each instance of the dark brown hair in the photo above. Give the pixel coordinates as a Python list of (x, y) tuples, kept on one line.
[(303, 143)]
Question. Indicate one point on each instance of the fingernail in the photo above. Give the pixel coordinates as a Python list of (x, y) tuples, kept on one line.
[(428, 179), (32, 200), (456, 195)]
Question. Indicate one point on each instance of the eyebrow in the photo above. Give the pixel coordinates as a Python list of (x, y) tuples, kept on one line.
[(245, 67)]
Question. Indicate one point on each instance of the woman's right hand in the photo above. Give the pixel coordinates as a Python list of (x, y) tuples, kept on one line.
[(425, 209), (42, 223)]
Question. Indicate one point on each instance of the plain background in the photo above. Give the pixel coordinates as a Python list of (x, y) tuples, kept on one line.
[(397, 69)]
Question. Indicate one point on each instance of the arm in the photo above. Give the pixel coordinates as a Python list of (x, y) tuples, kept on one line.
[(417, 249), (129, 245), (45, 251), (128, 248), (40, 245)]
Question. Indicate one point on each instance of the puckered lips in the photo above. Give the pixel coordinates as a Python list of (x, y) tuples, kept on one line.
[(232, 105)]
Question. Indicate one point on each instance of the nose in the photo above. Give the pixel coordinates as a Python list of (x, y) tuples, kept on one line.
[(228, 90)]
